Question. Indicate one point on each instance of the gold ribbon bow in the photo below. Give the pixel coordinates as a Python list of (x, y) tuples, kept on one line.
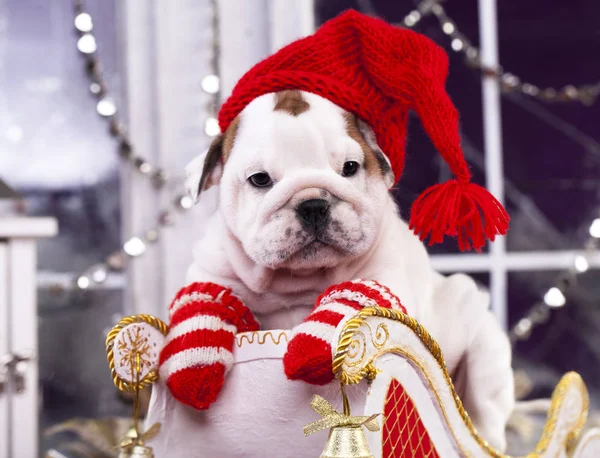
[(133, 438), (332, 418)]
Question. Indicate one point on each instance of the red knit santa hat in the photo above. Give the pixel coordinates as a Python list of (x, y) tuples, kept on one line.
[(380, 72)]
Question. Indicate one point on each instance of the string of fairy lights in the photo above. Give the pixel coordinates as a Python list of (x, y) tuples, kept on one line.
[(106, 107), (509, 82), (105, 103), (555, 296)]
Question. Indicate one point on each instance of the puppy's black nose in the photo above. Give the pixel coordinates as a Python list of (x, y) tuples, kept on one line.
[(313, 214)]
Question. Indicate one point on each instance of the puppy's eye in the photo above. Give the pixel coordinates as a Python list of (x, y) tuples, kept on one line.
[(350, 168), (260, 180)]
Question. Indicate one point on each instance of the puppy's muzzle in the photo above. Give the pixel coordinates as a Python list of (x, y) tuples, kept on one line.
[(314, 215)]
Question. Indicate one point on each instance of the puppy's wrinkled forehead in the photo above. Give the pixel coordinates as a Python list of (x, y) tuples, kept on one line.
[(290, 131), (298, 128)]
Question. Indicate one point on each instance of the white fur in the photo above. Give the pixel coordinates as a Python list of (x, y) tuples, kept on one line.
[(255, 245), (193, 174), (304, 155)]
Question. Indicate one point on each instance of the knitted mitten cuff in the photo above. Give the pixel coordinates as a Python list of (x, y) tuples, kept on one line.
[(198, 351), (309, 353)]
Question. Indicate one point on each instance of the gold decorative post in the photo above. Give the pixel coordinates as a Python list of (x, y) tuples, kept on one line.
[(132, 349)]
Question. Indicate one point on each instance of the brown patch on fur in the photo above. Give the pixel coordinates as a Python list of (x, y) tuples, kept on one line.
[(211, 162), (291, 101), (229, 138), (371, 162), (218, 153)]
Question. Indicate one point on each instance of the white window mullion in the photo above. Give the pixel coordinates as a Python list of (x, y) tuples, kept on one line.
[(185, 46), (245, 39), (140, 199), (514, 262), (492, 127), (4, 350), (290, 21), (65, 281)]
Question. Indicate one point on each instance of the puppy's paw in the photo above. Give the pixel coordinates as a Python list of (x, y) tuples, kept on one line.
[(199, 346), (309, 353)]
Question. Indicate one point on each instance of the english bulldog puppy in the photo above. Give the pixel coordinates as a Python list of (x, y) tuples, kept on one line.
[(304, 204)]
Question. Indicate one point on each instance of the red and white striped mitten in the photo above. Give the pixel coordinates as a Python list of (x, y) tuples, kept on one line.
[(309, 354), (198, 350)]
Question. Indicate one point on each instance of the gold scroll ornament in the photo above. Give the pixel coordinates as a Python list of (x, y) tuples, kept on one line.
[(570, 381)]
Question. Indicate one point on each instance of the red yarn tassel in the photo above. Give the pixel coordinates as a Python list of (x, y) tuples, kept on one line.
[(463, 210)]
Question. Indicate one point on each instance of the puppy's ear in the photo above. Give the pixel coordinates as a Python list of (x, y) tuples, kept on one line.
[(205, 170), (384, 163)]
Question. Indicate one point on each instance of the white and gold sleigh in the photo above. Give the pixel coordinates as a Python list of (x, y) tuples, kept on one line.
[(390, 365)]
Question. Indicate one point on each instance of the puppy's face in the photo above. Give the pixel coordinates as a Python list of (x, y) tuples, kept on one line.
[(303, 183)]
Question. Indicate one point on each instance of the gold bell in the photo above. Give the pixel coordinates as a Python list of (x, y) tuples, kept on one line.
[(346, 442), (133, 445), (346, 436), (136, 451)]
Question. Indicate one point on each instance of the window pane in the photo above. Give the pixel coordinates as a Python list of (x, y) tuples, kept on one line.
[(54, 148), (564, 338), (57, 152)]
